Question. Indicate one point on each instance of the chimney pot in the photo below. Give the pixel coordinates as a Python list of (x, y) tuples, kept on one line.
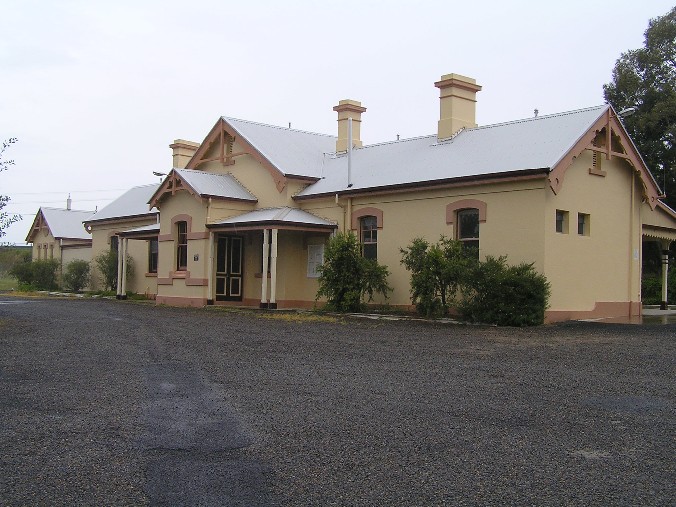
[(69, 203), (349, 109), (457, 97)]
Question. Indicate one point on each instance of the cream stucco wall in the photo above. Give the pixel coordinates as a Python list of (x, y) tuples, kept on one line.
[(191, 283), (142, 282), (603, 266), (513, 227)]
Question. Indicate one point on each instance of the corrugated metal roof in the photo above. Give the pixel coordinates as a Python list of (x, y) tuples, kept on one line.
[(535, 143), (294, 152), (277, 215), (215, 185), (134, 202), (151, 230), (65, 223)]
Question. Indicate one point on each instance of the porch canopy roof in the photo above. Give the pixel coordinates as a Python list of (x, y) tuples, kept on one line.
[(660, 224), (145, 232), (284, 218)]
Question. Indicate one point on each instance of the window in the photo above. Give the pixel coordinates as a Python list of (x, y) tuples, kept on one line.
[(113, 243), (583, 224), (39, 252), (152, 256), (562, 221), (51, 251), (181, 246), (468, 229), (315, 258), (368, 228)]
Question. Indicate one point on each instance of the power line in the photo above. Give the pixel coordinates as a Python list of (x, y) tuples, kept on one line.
[(70, 191)]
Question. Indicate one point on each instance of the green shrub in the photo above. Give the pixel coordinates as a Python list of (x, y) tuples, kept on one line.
[(76, 275), (10, 256), (41, 275), (347, 278), (106, 263), (651, 287), (505, 295), (437, 273)]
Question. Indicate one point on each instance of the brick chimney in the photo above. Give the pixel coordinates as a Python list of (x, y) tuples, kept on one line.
[(348, 109), (457, 96), (182, 152)]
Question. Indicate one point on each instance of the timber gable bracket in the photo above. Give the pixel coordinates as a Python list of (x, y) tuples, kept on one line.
[(224, 135), (608, 138)]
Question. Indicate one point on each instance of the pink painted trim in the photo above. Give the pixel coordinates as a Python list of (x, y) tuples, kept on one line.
[(367, 212), (181, 301), (198, 235), (182, 218), (196, 282), (151, 275), (602, 309), (453, 208), (165, 237)]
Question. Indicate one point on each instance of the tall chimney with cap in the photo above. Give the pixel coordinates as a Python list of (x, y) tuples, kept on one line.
[(457, 95), (349, 109), (69, 203), (182, 152)]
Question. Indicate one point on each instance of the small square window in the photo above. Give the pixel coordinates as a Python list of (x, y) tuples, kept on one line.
[(562, 221), (583, 224)]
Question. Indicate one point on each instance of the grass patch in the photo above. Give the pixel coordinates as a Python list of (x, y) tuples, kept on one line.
[(298, 317), (8, 283)]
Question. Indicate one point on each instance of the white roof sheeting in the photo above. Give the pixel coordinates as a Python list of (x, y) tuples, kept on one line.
[(283, 215), (293, 152), (152, 228), (215, 185), (65, 223), (134, 202), (535, 143)]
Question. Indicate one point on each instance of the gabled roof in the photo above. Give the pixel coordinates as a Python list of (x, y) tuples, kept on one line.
[(293, 152), (62, 223), (283, 217), (504, 148), (133, 203), (544, 145), (201, 184)]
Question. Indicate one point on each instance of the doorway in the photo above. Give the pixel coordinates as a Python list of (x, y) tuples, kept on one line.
[(229, 268)]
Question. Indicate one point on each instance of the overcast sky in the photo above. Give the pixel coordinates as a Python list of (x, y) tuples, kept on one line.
[(97, 90)]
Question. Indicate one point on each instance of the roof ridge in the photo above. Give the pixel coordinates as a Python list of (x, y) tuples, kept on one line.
[(278, 127), (66, 209), (537, 118), (384, 143)]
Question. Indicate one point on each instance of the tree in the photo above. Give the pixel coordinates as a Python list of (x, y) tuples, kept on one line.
[(106, 262), (76, 276), (645, 79), (347, 278), (437, 273), (6, 219)]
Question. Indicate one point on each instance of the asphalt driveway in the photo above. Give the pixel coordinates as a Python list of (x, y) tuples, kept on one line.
[(117, 403)]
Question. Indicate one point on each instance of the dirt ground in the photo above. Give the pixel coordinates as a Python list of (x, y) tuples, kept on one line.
[(120, 403)]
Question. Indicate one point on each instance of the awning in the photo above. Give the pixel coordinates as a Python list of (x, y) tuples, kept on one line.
[(145, 232), (283, 218)]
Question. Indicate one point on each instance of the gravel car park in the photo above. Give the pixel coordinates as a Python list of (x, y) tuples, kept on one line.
[(120, 403)]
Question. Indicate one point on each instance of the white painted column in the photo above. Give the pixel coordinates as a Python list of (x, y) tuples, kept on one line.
[(120, 256), (664, 305), (273, 271), (125, 246), (210, 269), (264, 274)]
